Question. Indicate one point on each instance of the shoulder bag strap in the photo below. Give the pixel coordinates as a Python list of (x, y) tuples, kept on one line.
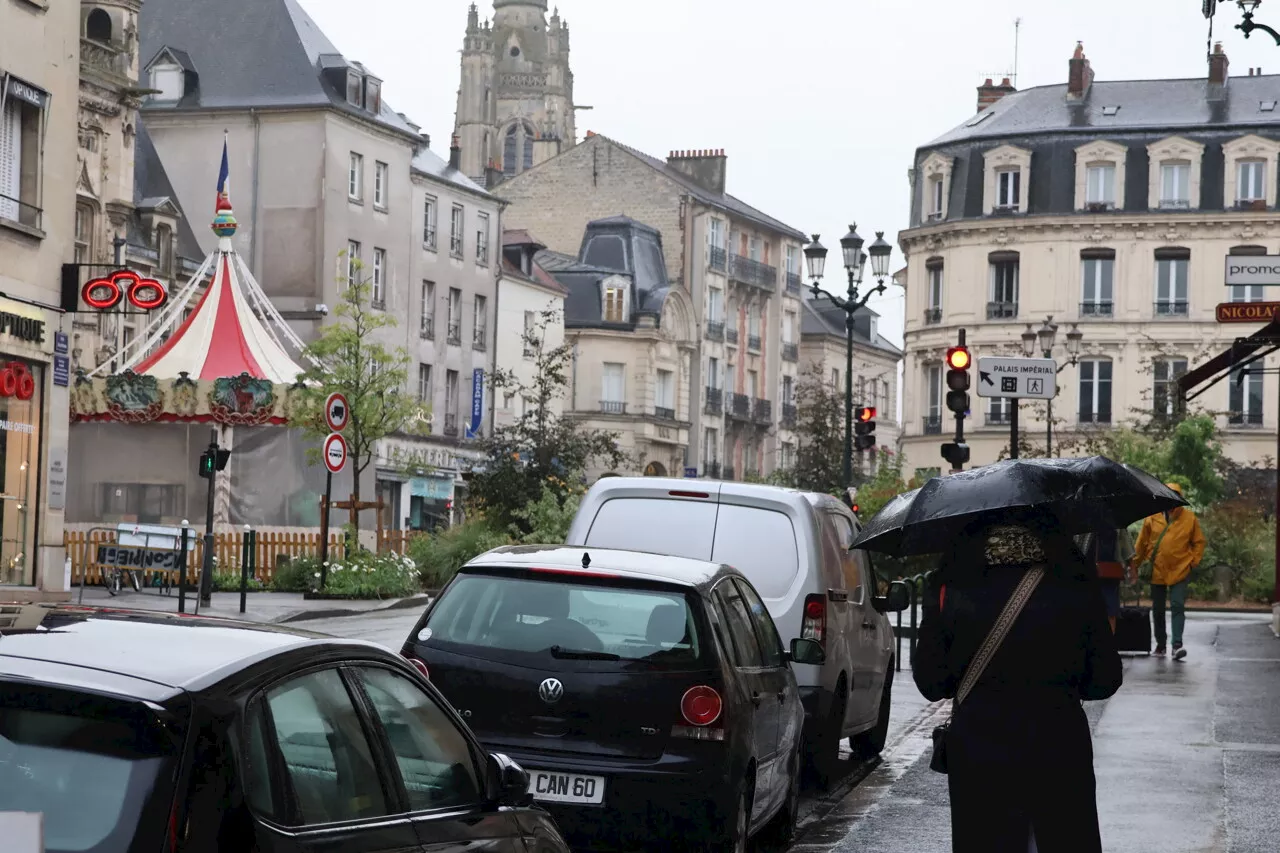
[(1017, 601)]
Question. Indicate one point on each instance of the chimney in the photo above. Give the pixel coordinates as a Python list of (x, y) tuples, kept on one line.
[(989, 94), (706, 167), (455, 154), (1218, 65), (1079, 75)]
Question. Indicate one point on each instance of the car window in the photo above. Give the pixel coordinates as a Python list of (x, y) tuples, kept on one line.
[(89, 765), (434, 757), (760, 543), (766, 631), (325, 752), (677, 528), (261, 795), (745, 644), (849, 560)]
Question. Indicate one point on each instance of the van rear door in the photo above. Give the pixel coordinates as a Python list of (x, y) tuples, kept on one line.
[(673, 522)]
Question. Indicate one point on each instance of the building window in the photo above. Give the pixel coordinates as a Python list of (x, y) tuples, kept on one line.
[(21, 142), (427, 319), (1172, 267), (935, 197), (753, 326), (665, 395), (1175, 186), (713, 374), (788, 391), (1095, 391), (793, 261), (373, 95), (355, 177), (933, 306), (379, 291), (615, 298), (353, 262), (355, 91), (1004, 285), (19, 472), (481, 323), (84, 233), (517, 149), (1249, 173), (98, 26), (1164, 392), (613, 390), (380, 177), (999, 411), (530, 334), (835, 378), (455, 231), (710, 448), (753, 384), (451, 402), (482, 240), (424, 384), (788, 327), (1100, 185), (429, 224), (933, 399), (1251, 182), (455, 316), (715, 305), (1097, 297), (1245, 403), (1009, 189)]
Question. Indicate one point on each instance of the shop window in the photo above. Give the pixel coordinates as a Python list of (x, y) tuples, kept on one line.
[(19, 463), (21, 142)]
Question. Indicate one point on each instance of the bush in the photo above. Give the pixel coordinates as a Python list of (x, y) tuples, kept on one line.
[(368, 575), (229, 582), (439, 557), (295, 575), (546, 518), (1239, 537)]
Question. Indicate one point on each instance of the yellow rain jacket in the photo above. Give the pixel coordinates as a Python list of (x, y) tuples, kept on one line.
[(1181, 549)]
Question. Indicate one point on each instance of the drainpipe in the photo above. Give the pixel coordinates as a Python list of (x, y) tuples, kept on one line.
[(495, 258), (257, 219)]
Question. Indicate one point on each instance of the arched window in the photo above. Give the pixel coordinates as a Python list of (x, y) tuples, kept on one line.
[(98, 26), (509, 149), (528, 148), (517, 149)]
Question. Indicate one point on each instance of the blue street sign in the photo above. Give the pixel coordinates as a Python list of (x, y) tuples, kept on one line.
[(61, 370), (691, 473), (477, 403), (61, 343)]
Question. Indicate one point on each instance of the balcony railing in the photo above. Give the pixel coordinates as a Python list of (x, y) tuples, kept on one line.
[(106, 57), (1171, 308), (729, 473), (613, 407), (1099, 206), (715, 401), (933, 425), (999, 418), (451, 425), (762, 411), (932, 316), (739, 406), (664, 414), (1097, 309), (429, 237), (1245, 419), (718, 259), (753, 273), (21, 212), (794, 285), (455, 245), (1175, 204), (715, 331), (455, 334), (790, 352), (427, 328), (378, 303), (731, 336), (789, 415), (711, 470), (478, 339), (753, 343), (482, 249), (1251, 204), (1002, 310), (1094, 417)]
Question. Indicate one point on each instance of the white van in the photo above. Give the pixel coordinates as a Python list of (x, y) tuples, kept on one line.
[(795, 548)]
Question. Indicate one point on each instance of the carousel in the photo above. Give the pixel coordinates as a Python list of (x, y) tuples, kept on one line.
[(214, 356)]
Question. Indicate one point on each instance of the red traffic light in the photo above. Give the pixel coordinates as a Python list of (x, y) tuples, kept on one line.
[(865, 414), (958, 358)]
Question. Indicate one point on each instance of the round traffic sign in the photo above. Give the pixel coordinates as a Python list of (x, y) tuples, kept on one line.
[(335, 453), (336, 412)]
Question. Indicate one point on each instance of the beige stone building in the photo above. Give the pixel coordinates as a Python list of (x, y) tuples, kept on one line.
[(40, 45), (530, 305), (1112, 208)]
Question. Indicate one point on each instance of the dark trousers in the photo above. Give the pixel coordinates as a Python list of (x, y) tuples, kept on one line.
[(1177, 598)]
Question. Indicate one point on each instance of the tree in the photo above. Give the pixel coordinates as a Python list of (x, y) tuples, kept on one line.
[(352, 361), (542, 449), (819, 465)]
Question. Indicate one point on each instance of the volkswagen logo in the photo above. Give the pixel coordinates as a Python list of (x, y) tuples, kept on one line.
[(551, 691)]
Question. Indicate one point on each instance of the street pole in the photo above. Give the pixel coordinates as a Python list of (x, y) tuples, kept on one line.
[(1048, 436), (1275, 593), (1013, 429), (324, 528), (206, 567), (848, 387)]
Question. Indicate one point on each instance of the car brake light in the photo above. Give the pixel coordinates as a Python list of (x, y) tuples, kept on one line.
[(814, 625), (577, 573), (418, 665), (689, 494)]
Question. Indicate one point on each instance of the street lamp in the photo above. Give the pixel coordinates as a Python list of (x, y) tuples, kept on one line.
[(855, 261), (1045, 338), (1248, 25)]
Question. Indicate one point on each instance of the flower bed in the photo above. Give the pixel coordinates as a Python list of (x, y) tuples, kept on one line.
[(368, 576)]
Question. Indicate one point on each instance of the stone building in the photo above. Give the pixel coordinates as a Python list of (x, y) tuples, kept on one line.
[(1110, 207), (515, 100), (531, 304), (738, 268)]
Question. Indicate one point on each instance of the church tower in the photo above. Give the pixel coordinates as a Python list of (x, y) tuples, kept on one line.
[(515, 101)]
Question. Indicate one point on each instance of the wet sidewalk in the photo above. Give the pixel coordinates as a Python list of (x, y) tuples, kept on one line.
[(1187, 757), (269, 607)]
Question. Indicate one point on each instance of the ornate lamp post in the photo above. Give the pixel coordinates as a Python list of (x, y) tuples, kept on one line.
[(1044, 338)]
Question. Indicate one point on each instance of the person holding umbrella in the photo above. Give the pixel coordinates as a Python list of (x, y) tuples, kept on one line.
[(1174, 543), (1110, 551)]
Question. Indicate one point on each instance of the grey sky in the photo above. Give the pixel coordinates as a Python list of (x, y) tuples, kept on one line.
[(819, 104)]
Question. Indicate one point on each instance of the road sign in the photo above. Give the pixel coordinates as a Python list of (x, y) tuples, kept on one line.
[(1248, 312), (335, 453), (336, 412), (1024, 378), (1242, 270)]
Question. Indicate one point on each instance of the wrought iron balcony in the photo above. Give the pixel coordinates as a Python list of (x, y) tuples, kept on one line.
[(664, 414), (933, 425), (451, 425), (762, 411), (731, 336), (378, 304), (1172, 308), (719, 259), (20, 212), (478, 339), (738, 405), (715, 401), (427, 328), (613, 407), (455, 245), (789, 414), (455, 334), (1095, 417), (1002, 310), (932, 316), (999, 418), (429, 237), (794, 285), (753, 343), (1175, 204), (1245, 419), (790, 352), (1097, 309), (715, 331), (753, 273)]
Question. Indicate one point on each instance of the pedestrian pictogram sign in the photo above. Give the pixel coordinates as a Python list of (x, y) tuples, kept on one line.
[(336, 412), (335, 453), (1025, 378)]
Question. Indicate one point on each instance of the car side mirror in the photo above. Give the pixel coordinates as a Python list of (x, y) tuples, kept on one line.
[(507, 782), (807, 651), (897, 600)]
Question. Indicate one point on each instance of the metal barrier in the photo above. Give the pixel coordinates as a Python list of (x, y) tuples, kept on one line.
[(138, 563), (916, 585)]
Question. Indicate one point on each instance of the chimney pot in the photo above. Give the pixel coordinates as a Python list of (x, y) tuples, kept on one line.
[(989, 93), (1005, 82), (1219, 66), (987, 82), (1079, 74)]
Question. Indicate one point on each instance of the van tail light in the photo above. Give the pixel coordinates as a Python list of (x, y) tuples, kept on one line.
[(418, 665), (814, 625), (701, 712)]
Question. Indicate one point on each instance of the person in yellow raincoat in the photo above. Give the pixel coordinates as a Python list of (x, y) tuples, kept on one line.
[(1174, 543)]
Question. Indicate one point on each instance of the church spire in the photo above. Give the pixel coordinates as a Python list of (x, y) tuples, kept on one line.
[(473, 19)]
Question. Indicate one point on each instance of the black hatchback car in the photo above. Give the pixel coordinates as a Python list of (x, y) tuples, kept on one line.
[(137, 732), (649, 696)]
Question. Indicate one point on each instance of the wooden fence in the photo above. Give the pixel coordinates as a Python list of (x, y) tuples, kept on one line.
[(273, 549)]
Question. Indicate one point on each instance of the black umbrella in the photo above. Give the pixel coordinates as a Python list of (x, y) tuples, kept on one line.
[(1082, 494)]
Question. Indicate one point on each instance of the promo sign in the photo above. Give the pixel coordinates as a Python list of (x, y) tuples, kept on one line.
[(103, 294), (1243, 270), (335, 453), (1247, 312)]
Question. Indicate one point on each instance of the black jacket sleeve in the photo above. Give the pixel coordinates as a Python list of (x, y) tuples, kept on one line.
[(931, 666), (1103, 673)]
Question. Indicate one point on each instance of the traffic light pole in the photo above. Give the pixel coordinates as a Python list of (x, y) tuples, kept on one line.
[(1013, 428), (206, 565), (848, 399)]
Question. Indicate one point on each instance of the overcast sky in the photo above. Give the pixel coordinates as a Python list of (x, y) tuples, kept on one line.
[(819, 104)]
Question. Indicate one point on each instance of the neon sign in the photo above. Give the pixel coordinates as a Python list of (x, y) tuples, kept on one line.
[(103, 294)]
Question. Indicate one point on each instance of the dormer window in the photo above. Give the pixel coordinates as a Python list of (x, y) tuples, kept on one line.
[(935, 197), (1250, 173), (614, 300), (1007, 169), (1174, 179), (355, 91), (1100, 169), (167, 79), (937, 173), (1100, 185), (1251, 182), (1008, 188), (373, 95)]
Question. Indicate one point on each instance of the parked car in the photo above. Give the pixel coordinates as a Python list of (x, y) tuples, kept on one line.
[(137, 732), (650, 697), (796, 549)]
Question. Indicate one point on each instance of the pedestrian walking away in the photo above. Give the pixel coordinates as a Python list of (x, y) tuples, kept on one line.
[(1016, 599), (1110, 551), (1173, 543)]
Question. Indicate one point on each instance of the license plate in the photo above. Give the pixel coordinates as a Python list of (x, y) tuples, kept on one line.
[(567, 787)]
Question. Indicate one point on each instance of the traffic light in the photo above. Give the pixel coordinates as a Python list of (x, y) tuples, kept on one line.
[(864, 428), (211, 462), (957, 453), (958, 364)]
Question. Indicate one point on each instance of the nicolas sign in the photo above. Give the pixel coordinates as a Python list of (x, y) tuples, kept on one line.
[(1243, 270)]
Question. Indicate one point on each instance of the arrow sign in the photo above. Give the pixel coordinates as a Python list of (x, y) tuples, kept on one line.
[(986, 378), (1024, 378), (337, 413), (335, 453)]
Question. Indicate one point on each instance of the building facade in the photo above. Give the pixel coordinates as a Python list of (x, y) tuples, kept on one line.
[(40, 44), (737, 267), (531, 307), (515, 100), (1108, 207)]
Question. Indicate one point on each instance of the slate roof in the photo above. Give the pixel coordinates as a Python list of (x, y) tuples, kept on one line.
[(820, 317), (251, 53), (427, 162), (151, 187), (724, 201), (1144, 105)]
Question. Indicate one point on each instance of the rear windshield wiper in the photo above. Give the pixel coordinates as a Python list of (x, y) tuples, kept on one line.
[(562, 653)]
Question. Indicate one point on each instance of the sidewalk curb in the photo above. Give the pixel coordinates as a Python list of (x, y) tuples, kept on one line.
[(340, 612)]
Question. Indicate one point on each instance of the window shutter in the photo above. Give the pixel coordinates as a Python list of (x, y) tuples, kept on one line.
[(10, 157)]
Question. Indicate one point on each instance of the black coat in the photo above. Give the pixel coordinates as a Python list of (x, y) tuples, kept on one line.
[(1019, 751)]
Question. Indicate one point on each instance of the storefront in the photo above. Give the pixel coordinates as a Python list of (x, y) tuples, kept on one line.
[(421, 483)]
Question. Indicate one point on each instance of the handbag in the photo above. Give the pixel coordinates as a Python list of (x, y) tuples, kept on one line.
[(1149, 567), (1017, 601)]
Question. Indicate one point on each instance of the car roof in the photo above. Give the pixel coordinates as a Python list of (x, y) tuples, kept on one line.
[(711, 488), (174, 650), (605, 562)]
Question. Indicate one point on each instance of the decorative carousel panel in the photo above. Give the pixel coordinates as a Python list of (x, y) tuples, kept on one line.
[(130, 397)]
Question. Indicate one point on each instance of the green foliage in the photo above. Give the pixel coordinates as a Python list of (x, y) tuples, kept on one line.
[(295, 575), (820, 427), (542, 450), (230, 582), (885, 485), (1239, 537), (546, 519), (1187, 454), (439, 557), (368, 575)]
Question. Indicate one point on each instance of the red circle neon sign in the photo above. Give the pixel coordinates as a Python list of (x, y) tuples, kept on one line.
[(16, 381), (103, 294)]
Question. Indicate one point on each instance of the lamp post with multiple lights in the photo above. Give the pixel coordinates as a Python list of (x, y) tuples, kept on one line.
[(1044, 338)]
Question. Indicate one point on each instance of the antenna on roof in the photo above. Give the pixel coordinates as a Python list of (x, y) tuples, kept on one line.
[(1017, 32), (586, 561)]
